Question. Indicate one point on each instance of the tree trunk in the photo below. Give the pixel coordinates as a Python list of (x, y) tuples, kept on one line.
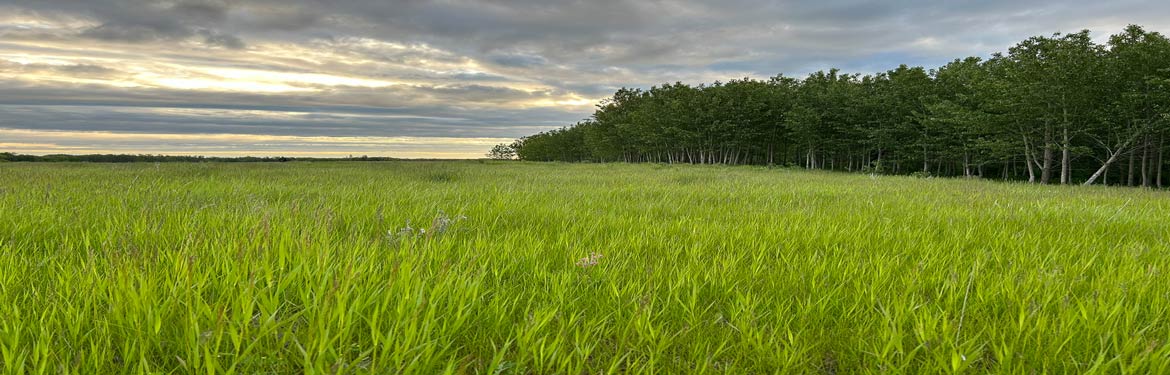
[(1146, 163), (1031, 160), (1046, 168), (966, 164), (925, 161), (1130, 177), (1104, 168), (1158, 164), (1028, 161), (1065, 159)]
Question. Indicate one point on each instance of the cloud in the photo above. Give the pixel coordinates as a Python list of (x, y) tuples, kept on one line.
[(205, 11), (518, 60), (134, 33), (213, 38), (70, 70), (487, 68), (89, 142)]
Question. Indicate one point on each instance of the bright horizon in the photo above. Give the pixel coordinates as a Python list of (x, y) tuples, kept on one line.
[(440, 79)]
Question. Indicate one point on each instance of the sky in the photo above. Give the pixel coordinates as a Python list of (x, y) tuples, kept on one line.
[(443, 79)]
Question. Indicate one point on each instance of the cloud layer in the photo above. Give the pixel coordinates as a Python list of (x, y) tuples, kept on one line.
[(102, 74)]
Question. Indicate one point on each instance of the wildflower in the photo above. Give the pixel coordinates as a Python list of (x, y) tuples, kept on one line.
[(440, 225), (406, 231), (443, 222), (589, 261)]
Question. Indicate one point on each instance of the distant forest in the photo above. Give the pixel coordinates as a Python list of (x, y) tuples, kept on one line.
[(1057, 109)]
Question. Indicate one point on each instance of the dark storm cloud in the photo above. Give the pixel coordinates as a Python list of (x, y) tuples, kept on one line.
[(461, 67)]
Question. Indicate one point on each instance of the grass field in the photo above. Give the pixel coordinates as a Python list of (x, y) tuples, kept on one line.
[(571, 269)]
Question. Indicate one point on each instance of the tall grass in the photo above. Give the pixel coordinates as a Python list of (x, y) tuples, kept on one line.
[(571, 269)]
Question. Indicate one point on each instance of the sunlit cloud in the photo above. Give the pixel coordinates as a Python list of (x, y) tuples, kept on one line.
[(51, 142), (440, 70), (294, 78), (220, 85)]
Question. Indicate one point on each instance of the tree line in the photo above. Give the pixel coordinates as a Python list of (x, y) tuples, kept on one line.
[(1052, 109)]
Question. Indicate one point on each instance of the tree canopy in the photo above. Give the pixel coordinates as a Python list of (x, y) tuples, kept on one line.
[(1057, 108)]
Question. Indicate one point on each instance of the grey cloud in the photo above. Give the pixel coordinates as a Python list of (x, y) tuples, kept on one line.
[(469, 59), (518, 60), (479, 76), (477, 93), (620, 31), (205, 11), (279, 17), (441, 111), (71, 70), (135, 33), (147, 21), (85, 70), (394, 97), (167, 120), (213, 38)]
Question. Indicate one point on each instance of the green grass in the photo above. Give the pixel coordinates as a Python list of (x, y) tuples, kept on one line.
[(289, 268)]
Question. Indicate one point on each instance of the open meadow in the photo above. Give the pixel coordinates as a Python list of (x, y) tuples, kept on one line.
[(541, 268)]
